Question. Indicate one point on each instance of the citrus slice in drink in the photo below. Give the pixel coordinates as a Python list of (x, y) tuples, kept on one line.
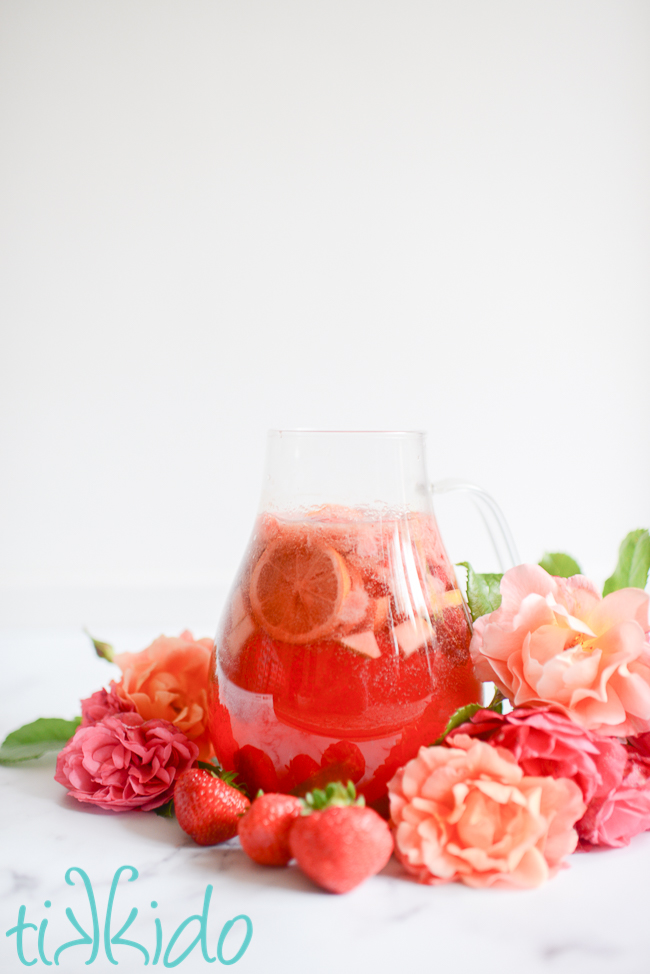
[(297, 589)]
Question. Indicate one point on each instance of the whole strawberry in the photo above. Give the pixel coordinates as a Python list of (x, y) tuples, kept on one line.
[(208, 807), (340, 842), (264, 828)]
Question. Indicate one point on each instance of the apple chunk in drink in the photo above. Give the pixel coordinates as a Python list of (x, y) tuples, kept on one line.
[(344, 648)]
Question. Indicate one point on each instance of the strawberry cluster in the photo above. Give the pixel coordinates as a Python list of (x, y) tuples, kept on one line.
[(333, 837)]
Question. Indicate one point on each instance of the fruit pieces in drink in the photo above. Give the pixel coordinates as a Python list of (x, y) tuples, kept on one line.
[(346, 579), (356, 631), (297, 590)]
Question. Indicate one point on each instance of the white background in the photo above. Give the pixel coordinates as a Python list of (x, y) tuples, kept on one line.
[(219, 217)]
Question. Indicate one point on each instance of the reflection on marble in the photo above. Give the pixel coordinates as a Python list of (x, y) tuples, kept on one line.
[(591, 918)]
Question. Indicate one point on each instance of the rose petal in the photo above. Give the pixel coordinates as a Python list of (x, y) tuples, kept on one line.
[(122, 762)]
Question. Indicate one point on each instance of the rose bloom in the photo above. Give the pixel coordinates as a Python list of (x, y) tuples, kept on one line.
[(102, 704), (547, 743), (625, 811), (467, 812), (169, 680), (124, 762), (556, 641)]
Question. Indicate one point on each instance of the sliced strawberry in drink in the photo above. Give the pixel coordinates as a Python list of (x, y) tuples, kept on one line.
[(221, 731), (262, 665), (348, 757), (327, 680), (256, 769), (376, 586), (396, 679), (300, 769), (342, 761)]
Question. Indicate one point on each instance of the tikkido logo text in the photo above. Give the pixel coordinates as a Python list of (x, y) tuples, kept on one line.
[(33, 944)]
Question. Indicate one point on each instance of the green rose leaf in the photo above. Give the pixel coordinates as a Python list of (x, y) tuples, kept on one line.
[(483, 594), (633, 563), (461, 716), (166, 810), (33, 740), (559, 564)]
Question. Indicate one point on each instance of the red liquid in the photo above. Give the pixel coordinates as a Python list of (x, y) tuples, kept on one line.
[(344, 648)]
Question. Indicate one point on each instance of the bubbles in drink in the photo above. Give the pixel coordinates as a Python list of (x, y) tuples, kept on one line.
[(343, 649)]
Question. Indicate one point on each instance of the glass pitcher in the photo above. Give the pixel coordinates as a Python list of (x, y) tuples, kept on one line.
[(344, 643)]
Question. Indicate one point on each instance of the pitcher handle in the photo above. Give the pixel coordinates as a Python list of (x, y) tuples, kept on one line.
[(491, 515)]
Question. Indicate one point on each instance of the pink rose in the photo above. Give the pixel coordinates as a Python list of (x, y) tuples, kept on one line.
[(625, 811), (556, 641), (547, 743), (102, 704), (467, 812), (170, 680), (640, 744), (124, 762)]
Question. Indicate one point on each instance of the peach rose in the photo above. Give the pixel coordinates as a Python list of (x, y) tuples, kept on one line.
[(547, 743), (468, 813), (556, 641), (169, 681)]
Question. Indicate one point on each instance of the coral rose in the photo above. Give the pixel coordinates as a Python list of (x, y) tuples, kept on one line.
[(547, 743), (556, 641), (169, 680), (102, 704), (467, 812), (124, 762)]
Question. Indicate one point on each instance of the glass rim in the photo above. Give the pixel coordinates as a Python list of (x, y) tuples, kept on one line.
[(322, 432)]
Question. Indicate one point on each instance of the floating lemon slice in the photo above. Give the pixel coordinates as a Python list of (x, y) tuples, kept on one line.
[(297, 589)]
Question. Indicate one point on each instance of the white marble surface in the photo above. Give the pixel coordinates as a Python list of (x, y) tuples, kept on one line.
[(591, 918)]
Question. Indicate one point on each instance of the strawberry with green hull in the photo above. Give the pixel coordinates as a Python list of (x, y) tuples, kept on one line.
[(208, 807), (337, 841)]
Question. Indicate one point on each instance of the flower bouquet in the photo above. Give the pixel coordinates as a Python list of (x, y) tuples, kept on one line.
[(559, 760)]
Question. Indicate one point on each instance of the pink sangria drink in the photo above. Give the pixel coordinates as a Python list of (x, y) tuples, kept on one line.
[(344, 648)]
